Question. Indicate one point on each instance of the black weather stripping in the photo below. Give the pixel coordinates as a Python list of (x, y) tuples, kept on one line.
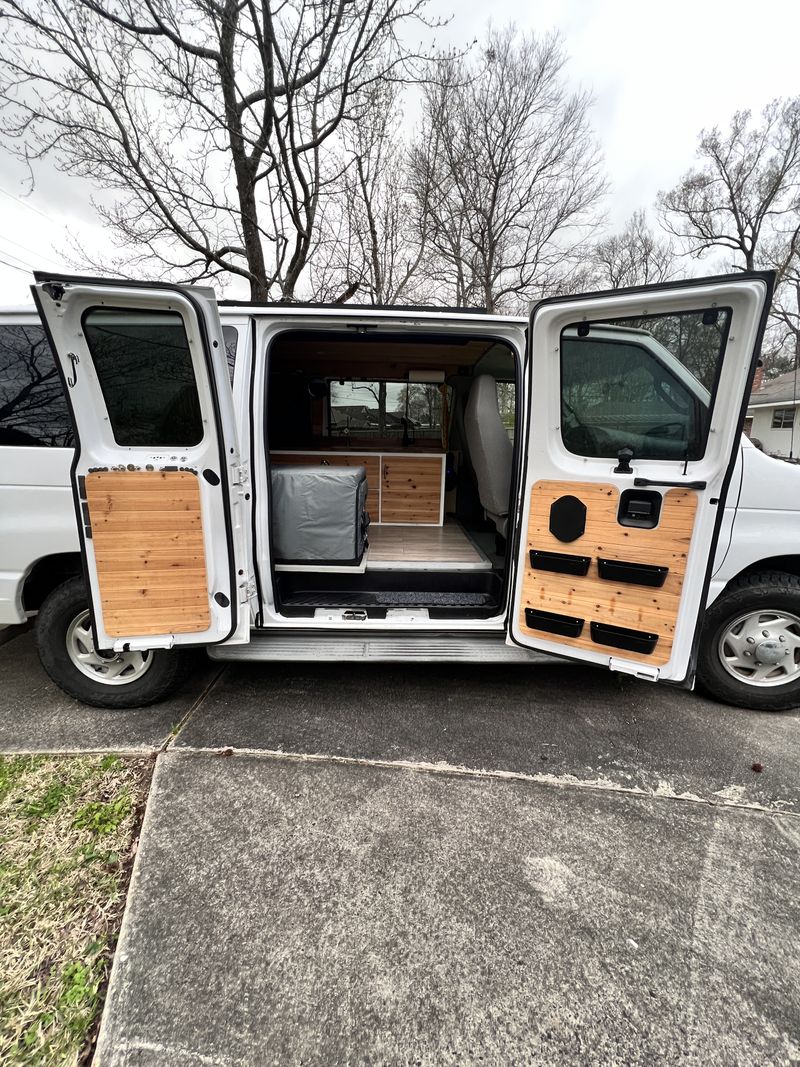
[(617, 570), (550, 623), (560, 562), (622, 637)]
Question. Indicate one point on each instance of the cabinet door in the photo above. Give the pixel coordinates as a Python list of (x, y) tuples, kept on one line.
[(411, 490)]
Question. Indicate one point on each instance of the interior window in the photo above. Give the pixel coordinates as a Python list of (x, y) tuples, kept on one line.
[(33, 408), (385, 409), (644, 384), (145, 371)]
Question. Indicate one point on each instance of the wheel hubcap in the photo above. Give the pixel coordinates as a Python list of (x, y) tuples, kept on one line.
[(762, 648), (110, 668)]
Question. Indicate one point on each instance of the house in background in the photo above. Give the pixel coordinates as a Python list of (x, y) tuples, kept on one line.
[(773, 415)]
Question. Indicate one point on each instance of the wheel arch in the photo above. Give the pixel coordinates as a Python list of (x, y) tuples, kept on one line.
[(788, 564), (46, 574)]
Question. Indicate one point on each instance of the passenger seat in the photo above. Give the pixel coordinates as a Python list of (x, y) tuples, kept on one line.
[(490, 450)]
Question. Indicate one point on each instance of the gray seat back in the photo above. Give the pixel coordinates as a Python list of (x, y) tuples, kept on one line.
[(490, 450)]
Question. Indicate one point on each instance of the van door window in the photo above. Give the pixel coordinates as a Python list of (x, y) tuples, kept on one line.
[(145, 371), (645, 384), (33, 408)]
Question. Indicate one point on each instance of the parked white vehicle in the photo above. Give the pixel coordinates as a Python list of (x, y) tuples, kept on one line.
[(576, 485)]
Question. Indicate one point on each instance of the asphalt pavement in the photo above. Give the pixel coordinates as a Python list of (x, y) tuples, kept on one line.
[(370, 865)]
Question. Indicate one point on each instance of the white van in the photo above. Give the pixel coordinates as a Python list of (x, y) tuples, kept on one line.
[(296, 482)]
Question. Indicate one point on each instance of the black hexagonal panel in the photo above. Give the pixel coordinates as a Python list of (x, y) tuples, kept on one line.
[(567, 518)]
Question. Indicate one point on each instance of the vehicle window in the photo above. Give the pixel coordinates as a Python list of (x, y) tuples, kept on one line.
[(33, 408), (230, 336), (506, 403), (145, 372), (645, 384), (782, 418), (385, 409)]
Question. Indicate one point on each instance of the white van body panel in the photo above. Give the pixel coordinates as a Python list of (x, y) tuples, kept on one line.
[(765, 520), (37, 518)]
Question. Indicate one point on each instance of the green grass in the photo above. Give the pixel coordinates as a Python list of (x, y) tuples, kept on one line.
[(67, 827)]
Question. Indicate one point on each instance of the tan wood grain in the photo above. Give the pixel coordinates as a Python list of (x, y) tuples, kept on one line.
[(147, 534), (591, 597), (411, 489)]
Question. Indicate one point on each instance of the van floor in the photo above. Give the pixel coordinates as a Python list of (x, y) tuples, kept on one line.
[(447, 547)]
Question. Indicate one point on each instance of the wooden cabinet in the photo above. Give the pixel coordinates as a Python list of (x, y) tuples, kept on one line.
[(411, 489), (405, 488)]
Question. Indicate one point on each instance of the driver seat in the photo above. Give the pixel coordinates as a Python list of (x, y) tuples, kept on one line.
[(490, 450)]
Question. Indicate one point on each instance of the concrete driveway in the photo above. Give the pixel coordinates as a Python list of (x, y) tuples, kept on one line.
[(456, 865)]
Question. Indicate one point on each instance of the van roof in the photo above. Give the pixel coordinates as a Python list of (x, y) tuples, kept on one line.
[(244, 307)]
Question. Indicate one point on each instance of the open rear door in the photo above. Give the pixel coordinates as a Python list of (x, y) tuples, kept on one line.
[(636, 405), (156, 477)]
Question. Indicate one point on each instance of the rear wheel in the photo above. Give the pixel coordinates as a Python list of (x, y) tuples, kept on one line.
[(750, 647), (104, 679)]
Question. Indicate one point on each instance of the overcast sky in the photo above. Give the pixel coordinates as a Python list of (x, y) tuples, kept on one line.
[(659, 73)]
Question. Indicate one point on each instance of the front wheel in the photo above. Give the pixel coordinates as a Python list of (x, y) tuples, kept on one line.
[(750, 646), (103, 679)]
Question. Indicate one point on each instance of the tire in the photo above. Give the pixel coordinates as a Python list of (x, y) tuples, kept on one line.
[(66, 651), (753, 615)]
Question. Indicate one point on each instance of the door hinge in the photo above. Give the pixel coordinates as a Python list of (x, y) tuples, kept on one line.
[(247, 590), (638, 670)]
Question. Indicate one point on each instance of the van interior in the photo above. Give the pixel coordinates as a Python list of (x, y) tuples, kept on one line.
[(416, 430)]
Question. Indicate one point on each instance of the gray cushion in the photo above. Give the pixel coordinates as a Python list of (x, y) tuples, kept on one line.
[(490, 450)]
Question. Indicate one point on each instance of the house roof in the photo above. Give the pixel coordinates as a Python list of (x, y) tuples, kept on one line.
[(783, 389)]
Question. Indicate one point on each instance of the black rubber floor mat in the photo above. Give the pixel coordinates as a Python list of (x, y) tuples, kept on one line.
[(394, 599)]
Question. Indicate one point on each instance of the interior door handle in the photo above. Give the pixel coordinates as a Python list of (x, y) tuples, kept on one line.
[(640, 483)]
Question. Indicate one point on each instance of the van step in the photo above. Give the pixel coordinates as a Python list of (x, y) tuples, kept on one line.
[(427, 647)]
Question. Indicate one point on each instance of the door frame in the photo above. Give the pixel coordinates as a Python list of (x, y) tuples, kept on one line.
[(269, 324)]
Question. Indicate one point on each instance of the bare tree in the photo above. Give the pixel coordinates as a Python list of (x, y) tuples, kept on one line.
[(635, 256), (506, 170), (745, 192), (372, 238), (206, 119), (743, 202)]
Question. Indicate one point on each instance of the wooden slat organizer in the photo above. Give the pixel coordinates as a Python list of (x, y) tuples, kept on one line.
[(594, 599), (147, 533)]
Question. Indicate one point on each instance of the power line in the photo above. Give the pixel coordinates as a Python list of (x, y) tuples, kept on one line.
[(19, 259), (27, 205), (22, 270), (25, 248)]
